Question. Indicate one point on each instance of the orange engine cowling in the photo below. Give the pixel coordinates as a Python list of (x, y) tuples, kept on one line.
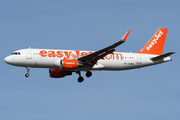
[(57, 73), (69, 64)]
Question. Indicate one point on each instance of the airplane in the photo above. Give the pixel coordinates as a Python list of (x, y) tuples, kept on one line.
[(63, 63)]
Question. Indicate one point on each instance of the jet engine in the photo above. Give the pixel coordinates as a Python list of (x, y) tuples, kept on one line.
[(69, 64), (57, 73)]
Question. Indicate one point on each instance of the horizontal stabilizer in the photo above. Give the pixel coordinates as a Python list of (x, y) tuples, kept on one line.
[(162, 56)]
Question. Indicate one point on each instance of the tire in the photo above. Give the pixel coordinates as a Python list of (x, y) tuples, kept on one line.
[(80, 79), (89, 74), (27, 75)]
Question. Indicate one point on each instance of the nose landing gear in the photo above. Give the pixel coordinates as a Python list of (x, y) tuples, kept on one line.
[(27, 74)]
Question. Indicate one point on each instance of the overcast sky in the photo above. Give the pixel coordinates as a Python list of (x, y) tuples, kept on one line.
[(151, 93)]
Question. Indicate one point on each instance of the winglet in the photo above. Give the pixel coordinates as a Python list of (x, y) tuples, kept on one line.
[(126, 35)]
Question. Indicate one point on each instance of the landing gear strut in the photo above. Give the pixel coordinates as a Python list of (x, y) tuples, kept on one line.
[(80, 79), (27, 74)]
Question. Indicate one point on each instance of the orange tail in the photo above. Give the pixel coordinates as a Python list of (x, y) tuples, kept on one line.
[(156, 43)]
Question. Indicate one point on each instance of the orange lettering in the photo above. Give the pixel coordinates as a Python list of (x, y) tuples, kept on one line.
[(43, 53), (84, 53), (68, 55), (117, 54), (90, 52), (109, 57), (51, 54), (59, 54), (76, 55)]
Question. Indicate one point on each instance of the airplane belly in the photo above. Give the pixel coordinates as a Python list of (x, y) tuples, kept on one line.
[(37, 62), (117, 64)]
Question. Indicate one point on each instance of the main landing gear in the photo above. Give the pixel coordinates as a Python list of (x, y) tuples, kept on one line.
[(89, 74), (27, 74), (81, 79)]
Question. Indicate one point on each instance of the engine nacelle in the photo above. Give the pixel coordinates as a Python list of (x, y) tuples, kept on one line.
[(69, 64), (57, 73)]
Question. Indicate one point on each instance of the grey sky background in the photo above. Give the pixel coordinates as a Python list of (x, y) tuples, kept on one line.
[(142, 94)]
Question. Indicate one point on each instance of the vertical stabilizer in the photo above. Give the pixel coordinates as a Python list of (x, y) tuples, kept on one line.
[(156, 43)]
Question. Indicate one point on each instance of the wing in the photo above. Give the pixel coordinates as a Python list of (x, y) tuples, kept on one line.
[(95, 56)]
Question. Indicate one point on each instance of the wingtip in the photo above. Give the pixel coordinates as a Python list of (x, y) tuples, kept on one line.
[(126, 35)]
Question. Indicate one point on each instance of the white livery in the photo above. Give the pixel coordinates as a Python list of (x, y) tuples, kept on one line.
[(64, 62)]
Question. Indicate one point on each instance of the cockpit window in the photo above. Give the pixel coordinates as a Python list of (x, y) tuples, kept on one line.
[(15, 53)]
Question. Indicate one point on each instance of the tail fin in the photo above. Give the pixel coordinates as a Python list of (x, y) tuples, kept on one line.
[(156, 43)]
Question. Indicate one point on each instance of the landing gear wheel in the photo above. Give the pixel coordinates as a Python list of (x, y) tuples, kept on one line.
[(80, 79), (27, 75), (89, 74)]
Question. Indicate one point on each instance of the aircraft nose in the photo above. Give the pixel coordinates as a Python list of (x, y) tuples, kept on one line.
[(7, 59)]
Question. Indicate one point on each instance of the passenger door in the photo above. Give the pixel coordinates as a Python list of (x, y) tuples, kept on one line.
[(28, 54), (138, 58)]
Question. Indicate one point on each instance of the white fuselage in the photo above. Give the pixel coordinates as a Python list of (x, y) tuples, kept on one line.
[(47, 58)]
